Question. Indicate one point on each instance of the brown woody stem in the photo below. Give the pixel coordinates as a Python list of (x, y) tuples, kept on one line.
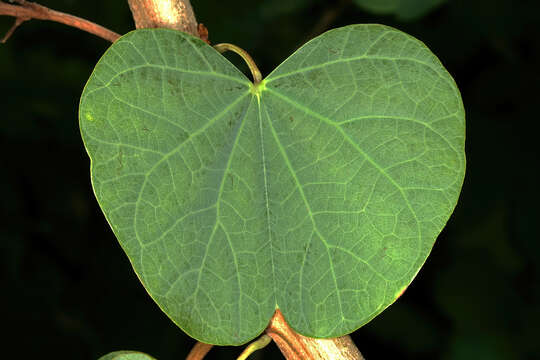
[(298, 347), (199, 351), (171, 14), (26, 10)]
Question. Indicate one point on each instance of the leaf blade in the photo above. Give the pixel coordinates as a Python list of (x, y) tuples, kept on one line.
[(320, 192)]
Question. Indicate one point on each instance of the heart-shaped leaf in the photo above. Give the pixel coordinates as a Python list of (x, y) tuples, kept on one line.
[(319, 191)]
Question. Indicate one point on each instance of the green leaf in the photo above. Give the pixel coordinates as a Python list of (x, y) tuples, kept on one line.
[(405, 10), (320, 190), (126, 355)]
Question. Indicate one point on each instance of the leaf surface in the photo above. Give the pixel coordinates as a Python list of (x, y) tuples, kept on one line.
[(320, 191), (126, 355)]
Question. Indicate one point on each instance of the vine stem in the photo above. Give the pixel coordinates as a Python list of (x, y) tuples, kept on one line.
[(171, 14), (199, 351), (26, 10), (258, 344), (298, 347)]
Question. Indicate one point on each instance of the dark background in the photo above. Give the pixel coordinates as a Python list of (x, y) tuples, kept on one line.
[(68, 290)]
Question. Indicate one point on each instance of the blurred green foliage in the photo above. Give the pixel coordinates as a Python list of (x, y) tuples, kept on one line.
[(404, 10), (68, 289)]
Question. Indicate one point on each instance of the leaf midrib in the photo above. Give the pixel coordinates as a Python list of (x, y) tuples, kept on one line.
[(267, 200), (314, 224)]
